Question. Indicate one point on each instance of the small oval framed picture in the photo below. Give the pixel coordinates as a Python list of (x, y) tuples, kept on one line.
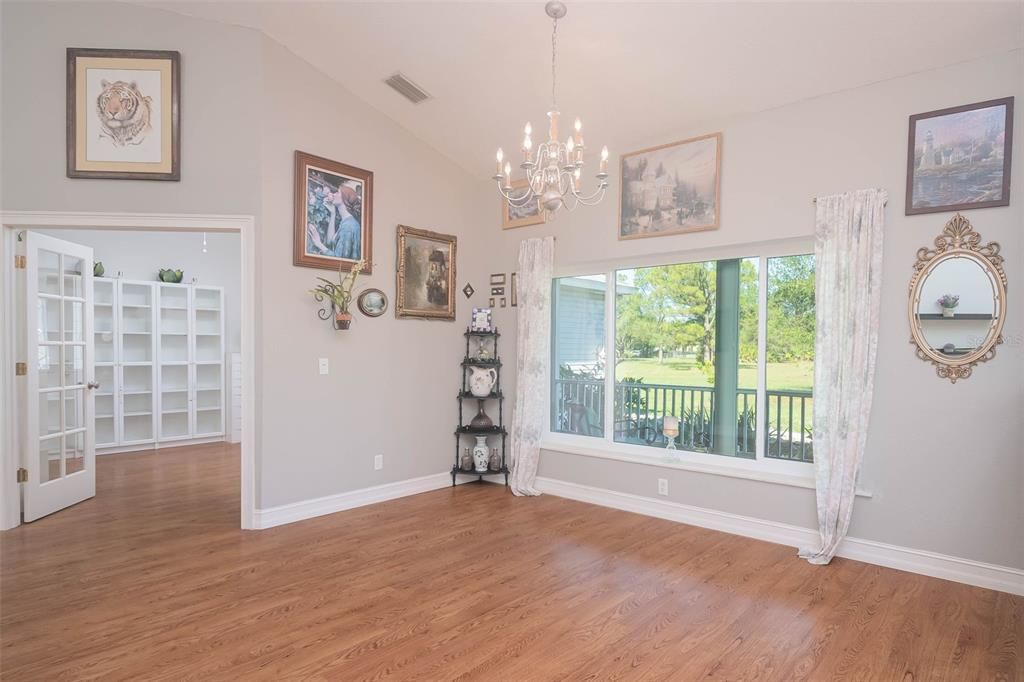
[(372, 302)]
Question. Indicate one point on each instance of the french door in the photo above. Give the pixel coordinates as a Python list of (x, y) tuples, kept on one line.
[(59, 454)]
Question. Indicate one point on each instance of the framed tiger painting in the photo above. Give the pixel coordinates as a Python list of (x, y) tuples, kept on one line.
[(123, 115)]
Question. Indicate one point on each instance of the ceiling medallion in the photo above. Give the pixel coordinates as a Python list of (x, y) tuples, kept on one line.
[(553, 171)]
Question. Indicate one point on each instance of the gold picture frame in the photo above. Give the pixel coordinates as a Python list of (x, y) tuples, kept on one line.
[(123, 114), (425, 267), (521, 216)]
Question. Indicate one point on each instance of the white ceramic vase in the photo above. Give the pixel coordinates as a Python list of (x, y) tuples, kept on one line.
[(480, 454)]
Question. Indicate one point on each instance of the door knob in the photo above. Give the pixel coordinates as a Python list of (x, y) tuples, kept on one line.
[(93, 384)]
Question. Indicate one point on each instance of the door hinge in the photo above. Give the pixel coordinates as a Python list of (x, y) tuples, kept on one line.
[(19, 262), (22, 475), (20, 369)]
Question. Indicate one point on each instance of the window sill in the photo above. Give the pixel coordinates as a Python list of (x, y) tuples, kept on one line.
[(753, 470)]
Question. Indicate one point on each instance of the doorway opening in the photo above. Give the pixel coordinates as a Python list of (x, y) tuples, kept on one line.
[(125, 354)]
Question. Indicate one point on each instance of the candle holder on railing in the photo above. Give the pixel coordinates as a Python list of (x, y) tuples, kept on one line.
[(670, 429)]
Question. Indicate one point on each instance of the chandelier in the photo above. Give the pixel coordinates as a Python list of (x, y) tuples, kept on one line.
[(553, 171)]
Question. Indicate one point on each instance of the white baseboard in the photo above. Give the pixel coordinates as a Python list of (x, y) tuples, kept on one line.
[(991, 576), (308, 509)]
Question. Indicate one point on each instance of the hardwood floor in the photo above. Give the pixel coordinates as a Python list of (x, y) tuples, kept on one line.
[(152, 580)]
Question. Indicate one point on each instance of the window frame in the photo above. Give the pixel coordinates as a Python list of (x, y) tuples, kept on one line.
[(800, 474)]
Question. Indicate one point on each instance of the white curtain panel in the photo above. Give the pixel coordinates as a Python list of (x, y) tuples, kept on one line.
[(533, 360), (848, 260)]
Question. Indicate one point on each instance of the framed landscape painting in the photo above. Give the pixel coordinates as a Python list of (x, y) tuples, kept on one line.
[(333, 214), (426, 274), (123, 115), (959, 158), (671, 189), (520, 216)]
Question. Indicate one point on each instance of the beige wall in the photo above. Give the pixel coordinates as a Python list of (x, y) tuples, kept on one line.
[(945, 462)]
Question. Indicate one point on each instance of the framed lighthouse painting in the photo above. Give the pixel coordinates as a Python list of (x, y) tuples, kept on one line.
[(671, 189), (959, 158)]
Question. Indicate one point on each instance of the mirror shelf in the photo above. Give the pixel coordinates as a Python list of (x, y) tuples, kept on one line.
[(957, 300)]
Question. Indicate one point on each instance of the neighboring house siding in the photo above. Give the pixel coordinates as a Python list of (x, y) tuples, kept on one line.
[(579, 326)]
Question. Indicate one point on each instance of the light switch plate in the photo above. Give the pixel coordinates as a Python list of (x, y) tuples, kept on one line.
[(378, 462), (663, 486), (323, 366)]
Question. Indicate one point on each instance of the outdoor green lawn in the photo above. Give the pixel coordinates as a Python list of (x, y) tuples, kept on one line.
[(797, 375)]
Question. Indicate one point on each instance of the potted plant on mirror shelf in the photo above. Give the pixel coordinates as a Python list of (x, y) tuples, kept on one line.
[(339, 294), (949, 302)]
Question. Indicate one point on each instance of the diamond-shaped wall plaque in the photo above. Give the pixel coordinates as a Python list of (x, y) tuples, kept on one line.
[(468, 290)]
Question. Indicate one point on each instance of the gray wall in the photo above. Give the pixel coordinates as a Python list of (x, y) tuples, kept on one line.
[(247, 105), (945, 462)]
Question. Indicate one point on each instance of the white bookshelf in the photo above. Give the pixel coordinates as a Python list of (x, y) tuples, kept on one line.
[(160, 363)]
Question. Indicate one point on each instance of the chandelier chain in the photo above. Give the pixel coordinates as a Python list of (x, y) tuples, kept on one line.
[(554, 54)]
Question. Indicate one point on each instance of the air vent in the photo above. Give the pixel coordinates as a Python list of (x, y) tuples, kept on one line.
[(406, 88)]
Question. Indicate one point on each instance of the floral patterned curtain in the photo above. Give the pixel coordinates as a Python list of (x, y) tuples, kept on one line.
[(533, 361), (848, 260)]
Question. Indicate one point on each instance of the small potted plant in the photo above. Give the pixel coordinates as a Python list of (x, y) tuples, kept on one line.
[(949, 302), (339, 294)]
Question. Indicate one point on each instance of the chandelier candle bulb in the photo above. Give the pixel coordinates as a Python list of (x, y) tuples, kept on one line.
[(578, 125), (508, 175), (500, 155)]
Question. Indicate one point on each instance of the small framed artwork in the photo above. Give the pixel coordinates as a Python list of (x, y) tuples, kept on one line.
[(333, 226), (497, 278), (481, 320), (504, 302), (497, 291), (514, 295), (426, 274), (372, 302), (490, 301), (671, 189), (521, 215), (123, 114), (468, 290), (959, 158)]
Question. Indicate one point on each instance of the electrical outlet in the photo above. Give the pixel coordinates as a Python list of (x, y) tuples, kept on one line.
[(378, 462), (323, 366), (663, 486)]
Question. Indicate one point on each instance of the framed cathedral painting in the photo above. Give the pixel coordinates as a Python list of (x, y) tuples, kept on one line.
[(123, 114), (333, 214)]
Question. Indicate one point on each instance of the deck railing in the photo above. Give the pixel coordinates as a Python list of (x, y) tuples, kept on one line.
[(640, 409)]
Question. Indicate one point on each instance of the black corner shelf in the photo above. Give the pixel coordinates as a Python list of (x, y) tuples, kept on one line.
[(463, 430), (466, 395), (470, 362)]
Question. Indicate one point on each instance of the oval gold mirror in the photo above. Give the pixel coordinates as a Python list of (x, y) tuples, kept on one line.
[(957, 301)]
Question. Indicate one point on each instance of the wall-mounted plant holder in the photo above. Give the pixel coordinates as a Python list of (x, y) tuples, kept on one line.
[(328, 311)]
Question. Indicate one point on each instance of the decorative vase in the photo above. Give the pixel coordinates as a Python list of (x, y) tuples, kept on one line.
[(948, 312), (495, 460), (481, 380), (342, 320), (98, 269), (480, 454), (466, 463), (171, 276), (481, 420)]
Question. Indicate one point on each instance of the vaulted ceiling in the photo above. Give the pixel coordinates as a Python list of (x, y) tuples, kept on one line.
[(635, 72)]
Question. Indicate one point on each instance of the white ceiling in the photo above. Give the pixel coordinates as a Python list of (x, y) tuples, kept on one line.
[(635, 72)]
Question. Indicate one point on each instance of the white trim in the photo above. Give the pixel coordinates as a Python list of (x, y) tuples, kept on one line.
[(330, 504), (245, 225), (699, 462), (933, 564)]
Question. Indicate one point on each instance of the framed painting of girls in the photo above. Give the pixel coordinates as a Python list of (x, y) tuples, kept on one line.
[(333, 214)]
